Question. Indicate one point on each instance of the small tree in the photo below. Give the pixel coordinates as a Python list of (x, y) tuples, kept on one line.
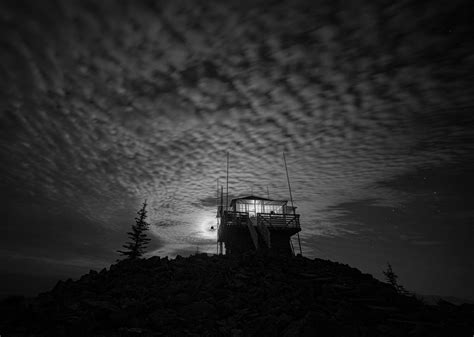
[(135, 248), (392, 278)]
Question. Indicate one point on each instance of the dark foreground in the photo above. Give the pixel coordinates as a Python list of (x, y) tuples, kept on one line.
[(249, 295)]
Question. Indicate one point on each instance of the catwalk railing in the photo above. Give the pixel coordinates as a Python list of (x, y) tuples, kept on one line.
[(277, 220)]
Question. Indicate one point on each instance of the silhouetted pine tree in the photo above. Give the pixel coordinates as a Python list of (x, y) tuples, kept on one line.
[(392, 279), (138, 239)]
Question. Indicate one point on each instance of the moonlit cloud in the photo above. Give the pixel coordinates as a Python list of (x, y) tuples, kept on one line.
[(105, 104)]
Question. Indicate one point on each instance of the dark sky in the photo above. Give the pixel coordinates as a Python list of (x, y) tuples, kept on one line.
[(106, 103)]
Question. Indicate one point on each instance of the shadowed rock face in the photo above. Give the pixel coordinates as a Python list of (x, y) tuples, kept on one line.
[(249, 295)]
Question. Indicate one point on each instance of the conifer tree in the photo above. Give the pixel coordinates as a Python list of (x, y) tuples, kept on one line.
[(135, 248), (392, 279)]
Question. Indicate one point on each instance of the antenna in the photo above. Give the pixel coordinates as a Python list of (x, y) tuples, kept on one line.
[(268, 193), (289, 186), (221, 219), (227, 188), (222, 201), (217, 196), (291, 198), (217, 217)]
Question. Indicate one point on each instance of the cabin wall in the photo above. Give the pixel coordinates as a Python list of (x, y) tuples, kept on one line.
[(280, 242), (238, 240)]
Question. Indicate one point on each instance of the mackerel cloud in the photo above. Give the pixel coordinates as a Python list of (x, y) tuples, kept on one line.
[(105, 104)]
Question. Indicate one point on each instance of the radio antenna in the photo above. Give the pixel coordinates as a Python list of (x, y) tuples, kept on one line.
[(227, 188), (288, 179), (222, 220), (217, 215), (218, 198), (291, 198)]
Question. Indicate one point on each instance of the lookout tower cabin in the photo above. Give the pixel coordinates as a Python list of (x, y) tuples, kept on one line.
[(254, 223)]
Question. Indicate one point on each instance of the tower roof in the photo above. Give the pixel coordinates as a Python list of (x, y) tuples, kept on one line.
[(253, 197)]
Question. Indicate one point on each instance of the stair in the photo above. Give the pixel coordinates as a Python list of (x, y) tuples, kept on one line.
[(253, 232), (264, 232)]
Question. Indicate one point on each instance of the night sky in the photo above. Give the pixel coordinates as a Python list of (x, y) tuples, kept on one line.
[(107, 103)]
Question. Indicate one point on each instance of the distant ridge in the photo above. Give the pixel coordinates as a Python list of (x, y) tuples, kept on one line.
[(434, 299), (247, 295)]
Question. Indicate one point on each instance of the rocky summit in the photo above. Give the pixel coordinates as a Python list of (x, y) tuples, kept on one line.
[(248, 295)]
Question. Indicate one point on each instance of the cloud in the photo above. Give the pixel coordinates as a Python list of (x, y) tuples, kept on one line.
[(108, 104), (427, 243)]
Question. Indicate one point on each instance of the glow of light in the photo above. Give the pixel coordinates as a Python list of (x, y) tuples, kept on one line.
[(205, 222)]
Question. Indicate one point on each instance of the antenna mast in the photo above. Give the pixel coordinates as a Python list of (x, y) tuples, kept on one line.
[(217, 199), (217, 216), (227, 188), (222, 202), (289, 186), (291, 198), (221, 214)]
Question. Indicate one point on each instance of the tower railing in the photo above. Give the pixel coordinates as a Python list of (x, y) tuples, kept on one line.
[(235, 218), (276, 220), (279, 220)]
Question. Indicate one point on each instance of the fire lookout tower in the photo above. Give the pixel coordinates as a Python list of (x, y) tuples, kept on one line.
[(255, 223)]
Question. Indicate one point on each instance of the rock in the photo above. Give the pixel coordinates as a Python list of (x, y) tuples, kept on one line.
[(248, 295), (182, 298), (236, 333), (132, 332), (117, 318), (283, 321), (158, 317), (294, 329), (197, 310)]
